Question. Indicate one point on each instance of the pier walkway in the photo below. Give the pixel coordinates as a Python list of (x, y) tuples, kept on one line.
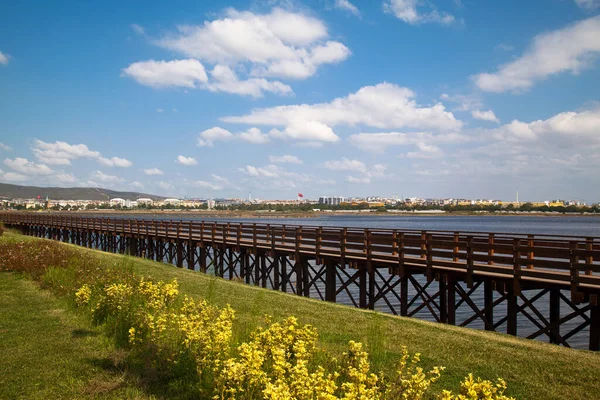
[(551, 282)]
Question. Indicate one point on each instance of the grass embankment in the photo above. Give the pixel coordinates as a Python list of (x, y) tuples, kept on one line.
[(532, 369), (51, 353)]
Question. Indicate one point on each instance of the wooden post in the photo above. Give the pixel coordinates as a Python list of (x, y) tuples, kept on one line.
[(516, 268), (443, 299), (362, 286), (574, 269), (179, 247), (403, 294), (276, 272), (243, 264), (469, 261), (555, 315), (263, 269), (284, 277), (429, 257), (511, 310), (451, 301), (330, 284), (202, 259), (589, 246), (455, 248), (595, 328), (491, 248), (488, 301), (530, 254)]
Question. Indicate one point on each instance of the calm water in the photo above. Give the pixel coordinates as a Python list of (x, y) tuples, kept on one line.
[(585, 226)]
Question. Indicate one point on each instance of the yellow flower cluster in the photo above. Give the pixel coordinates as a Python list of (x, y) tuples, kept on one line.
[(206, 331), (478, 389), (117, 295), (279, 362), (274, 364), (360, 383), (83, 295), (411, 382), (160, 294)]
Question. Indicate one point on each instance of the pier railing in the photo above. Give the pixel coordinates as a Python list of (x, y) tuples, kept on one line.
[(385, 261)]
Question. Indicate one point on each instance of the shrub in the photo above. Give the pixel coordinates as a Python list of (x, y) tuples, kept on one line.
[(478, 389), (1, 228), (189, 342)]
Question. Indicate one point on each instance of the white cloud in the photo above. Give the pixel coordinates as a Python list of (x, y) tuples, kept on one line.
[(254, 135), (345, 164), (379, 142), (425, 151), (569, 49), (165, 185), (588, 4), (269, 171), (153, 171), (63, 177), (485, 115), (285, 159), (62, 153), (206, 185), (220, 179), (189, 161), (105, 178), (354, 179), (188, 73), (137, 185), (567, 128), (13, 177), (208, 137), (328, 182), (366, 173), (463, 102), (312, 131), (26, 167), (383, 106), (3, 58), (224, 79), (415, 12), (115, 162), (278, 44), (347, 6), (138, 29), (5, 147), (159, 110)]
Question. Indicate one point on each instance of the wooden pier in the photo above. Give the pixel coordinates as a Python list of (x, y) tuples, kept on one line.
[(409, 272)]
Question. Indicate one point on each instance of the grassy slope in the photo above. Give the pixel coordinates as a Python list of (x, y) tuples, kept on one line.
[(48, 353), (532, 369)]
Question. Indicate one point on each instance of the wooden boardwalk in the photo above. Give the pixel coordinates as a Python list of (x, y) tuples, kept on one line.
[(372, 265)]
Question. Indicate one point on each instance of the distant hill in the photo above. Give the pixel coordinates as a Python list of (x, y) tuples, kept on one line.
[(75, 193)]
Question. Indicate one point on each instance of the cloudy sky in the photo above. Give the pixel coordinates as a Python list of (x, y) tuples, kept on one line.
[(429, 98)]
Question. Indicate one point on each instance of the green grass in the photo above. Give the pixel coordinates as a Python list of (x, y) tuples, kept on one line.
[(533, 370), (48, 352)]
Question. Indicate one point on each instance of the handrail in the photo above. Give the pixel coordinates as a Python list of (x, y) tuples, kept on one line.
[(517, 256)]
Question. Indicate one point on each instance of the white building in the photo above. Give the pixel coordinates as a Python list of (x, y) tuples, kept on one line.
[(117, 201), (332, 201)]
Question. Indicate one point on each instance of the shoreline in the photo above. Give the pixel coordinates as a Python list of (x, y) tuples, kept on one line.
[(308, 214)]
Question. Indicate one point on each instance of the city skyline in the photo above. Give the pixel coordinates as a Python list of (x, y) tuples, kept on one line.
[(439, 99)]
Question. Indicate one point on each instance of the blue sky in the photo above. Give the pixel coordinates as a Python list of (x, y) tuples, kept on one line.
[(429, 98)]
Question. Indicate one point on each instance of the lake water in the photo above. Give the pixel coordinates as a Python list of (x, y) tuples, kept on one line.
[(581, 226)]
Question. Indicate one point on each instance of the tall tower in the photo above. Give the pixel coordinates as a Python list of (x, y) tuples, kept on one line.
[(249, 197), (518, 197)]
